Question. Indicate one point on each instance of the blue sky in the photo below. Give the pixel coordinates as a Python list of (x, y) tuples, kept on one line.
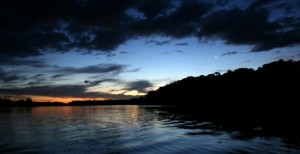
[(69, 56)]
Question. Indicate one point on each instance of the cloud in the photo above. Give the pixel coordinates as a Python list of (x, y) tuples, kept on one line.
[(286, 7), (89, 25), (13, 61), (61, 26), (92, 25), (229, 53), (123, 52), (10, 78), (276, 52), (93, 82), (48, 73), (7, 77), (94, 69), (159, 42), (77, 91), (37, 82), (97, 82), (222, 2), (140, 85), (177, 22), (58, 76), (182, 43), (38, 76), (250, 26), (153, 8), (37, 79)]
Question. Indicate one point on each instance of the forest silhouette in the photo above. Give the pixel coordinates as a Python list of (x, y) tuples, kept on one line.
[(277, 81), (266, 97), (243, 98), (272, 85)]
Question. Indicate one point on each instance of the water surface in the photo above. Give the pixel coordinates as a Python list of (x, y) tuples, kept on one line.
[(125, 129)]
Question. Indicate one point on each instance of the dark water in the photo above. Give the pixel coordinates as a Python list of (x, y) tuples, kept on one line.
[(125, 129)]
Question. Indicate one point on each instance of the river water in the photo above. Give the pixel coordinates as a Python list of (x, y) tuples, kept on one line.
[(126, 129)]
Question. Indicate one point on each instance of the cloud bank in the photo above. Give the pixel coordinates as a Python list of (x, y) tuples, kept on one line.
[(33, 27)]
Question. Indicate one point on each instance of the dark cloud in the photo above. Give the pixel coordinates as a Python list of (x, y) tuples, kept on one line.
[(258, 4), (153, 8), (38, 76), (93, 82), (182, 43), (97, 82), (178, 22), (140, 85), (276, 52), (251, 27), (123, 52), (229, 53), (94, 69), (222, 2), (58, 76), (37, 82), (31, 28), (37, 79), (158, 42), (12, 61), (61, 91), (288, 8), (8, 77)]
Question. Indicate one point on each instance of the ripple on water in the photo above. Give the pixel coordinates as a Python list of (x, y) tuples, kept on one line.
[(123, 129)]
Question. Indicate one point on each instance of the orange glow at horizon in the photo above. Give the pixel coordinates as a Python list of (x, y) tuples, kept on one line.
[(52, 99)]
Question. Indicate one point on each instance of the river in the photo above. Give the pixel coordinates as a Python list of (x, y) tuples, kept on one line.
[(126, 129)]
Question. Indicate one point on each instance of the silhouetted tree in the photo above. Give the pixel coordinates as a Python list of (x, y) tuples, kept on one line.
[(28, 100), (270, 92)]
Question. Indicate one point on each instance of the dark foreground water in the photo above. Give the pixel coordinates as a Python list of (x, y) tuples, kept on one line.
[(126, 129)]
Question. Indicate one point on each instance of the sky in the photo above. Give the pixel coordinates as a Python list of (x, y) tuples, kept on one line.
[(114, 49)]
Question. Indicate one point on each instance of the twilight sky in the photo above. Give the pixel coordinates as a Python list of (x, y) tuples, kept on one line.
[(64, 50)]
